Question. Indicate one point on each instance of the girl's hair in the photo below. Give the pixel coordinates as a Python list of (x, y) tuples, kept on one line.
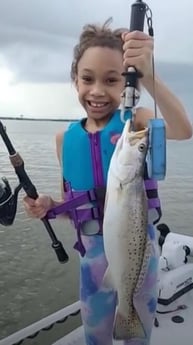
[(96, 36)]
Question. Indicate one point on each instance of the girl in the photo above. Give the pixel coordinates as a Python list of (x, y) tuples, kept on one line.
[(85, 149)]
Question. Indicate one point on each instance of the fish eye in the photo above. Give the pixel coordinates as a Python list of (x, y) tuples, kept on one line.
[(141, 147)]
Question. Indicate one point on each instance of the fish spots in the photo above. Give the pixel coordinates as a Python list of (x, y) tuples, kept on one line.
[(144, 268), (120, 327), (152, 304), (128, 327), (135, 254)]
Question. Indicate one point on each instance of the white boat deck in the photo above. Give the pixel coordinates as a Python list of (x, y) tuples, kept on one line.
[(168, 332)]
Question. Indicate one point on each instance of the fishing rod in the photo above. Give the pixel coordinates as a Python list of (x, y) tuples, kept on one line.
[(8, 200), (156, 154)]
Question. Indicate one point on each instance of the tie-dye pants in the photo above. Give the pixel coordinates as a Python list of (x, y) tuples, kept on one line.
[(98, 304)]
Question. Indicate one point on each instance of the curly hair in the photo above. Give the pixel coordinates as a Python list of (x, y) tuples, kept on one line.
[(96, 36)]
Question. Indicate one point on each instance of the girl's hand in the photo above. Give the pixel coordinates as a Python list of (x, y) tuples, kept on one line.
[(37, 208), (138, 52)]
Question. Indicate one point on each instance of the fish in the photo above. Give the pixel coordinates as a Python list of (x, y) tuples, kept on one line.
[(125, 227)]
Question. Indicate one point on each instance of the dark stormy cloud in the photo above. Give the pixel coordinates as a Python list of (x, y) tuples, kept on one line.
[(37, 36)]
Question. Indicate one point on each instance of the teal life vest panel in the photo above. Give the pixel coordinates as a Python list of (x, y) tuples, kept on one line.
[(86, 156)]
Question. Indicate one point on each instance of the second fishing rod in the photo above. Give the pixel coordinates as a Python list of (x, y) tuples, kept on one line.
[(9, 200)]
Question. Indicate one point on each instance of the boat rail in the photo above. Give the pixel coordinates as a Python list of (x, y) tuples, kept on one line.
[(44, 324)]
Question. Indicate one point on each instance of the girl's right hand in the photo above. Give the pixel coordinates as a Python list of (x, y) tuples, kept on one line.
[(38, 208)]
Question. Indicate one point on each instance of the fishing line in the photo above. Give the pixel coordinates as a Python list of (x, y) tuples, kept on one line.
[(149, 17)]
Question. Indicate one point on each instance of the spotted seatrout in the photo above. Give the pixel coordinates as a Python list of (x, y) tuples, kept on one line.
[(125, 227)]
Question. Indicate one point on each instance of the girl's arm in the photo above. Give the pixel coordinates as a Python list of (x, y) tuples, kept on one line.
[(178, 125)]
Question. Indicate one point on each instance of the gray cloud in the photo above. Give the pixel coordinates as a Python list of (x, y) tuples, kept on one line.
[(36, 55), (37, 36)]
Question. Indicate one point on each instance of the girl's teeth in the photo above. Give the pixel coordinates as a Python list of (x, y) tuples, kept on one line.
[(97, 105)]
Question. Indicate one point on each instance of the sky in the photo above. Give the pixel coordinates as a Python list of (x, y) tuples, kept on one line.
[(36, 45)]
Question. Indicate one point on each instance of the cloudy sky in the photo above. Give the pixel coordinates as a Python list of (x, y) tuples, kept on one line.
[(37, 39)]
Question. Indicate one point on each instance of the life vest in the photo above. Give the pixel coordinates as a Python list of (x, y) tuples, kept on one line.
[(85, 162)]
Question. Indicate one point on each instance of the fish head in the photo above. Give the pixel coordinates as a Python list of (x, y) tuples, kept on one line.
[(130, 153)]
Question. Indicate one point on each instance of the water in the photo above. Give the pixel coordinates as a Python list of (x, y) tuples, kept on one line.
[(32, 282)]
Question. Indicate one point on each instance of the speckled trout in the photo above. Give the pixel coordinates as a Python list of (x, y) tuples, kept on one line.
[(125, 227)]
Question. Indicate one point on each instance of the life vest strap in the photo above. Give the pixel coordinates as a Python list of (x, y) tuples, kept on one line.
[(77, 199)]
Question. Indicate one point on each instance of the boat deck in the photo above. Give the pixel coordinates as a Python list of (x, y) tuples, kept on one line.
[(167, 333)]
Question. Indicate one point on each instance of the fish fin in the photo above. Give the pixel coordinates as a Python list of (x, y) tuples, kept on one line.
[(107, 281), (126, 328)]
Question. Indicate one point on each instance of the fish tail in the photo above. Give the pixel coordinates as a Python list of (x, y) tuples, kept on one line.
[(126, 328)]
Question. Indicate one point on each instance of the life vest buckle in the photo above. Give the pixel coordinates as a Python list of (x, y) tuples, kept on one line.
[(97, 194), (96, 212)]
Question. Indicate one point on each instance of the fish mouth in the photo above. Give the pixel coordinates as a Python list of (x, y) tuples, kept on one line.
[(139, 134), (135, 136)]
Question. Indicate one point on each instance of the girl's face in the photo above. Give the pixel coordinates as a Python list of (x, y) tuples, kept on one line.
[(99, 81)]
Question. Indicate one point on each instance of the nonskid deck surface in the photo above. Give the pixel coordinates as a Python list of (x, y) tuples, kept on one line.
[(168, 332)]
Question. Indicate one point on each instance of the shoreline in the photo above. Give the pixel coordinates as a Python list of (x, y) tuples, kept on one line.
[(36, 119)]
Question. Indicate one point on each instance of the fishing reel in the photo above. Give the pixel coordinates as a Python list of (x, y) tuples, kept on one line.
[(8, 202), (156, 154)]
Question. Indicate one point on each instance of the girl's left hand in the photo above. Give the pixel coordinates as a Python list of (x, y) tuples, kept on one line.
[(138, 51)]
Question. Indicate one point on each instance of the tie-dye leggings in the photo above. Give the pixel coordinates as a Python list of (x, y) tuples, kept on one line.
[(98, 304)]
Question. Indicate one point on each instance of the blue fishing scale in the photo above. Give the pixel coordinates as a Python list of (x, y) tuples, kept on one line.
[(156, 153)]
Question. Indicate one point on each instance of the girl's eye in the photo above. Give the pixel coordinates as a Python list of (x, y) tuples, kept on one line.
[(87, 79), (111, 80)]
